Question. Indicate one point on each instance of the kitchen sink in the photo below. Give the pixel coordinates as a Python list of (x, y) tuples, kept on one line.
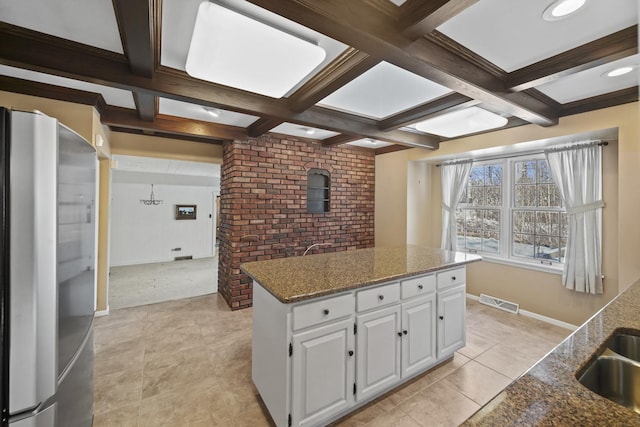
[(626, 345), (615, 372)]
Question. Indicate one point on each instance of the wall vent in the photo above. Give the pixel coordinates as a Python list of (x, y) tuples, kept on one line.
[(509, 306), (182, 258)]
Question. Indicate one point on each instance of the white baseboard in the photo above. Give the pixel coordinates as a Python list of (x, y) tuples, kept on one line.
[(536, 316), (101, 313)]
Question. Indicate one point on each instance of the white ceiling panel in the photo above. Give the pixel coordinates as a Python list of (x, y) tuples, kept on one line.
[(92, 22), (512, 34), (302, 131), (593, 82), (198, 112), (369, 143), (179, 16), (112, 96), (382, 91)]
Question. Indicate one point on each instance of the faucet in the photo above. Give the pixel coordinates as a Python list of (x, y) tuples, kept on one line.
[(314, 245)]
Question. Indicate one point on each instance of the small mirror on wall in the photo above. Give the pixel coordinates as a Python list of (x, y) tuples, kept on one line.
[(185, 211)]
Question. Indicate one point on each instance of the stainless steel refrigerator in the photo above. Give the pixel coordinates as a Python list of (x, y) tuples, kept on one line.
[(47, 269)]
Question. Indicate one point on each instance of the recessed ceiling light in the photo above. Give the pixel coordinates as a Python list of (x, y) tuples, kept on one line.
[(234, 50), (620, 71), (560, 9), (309, 131), (212, 111), (463, 122), (372, 141)]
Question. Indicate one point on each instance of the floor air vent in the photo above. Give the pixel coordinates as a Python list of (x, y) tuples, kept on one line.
[(182, 258), (509, 306)]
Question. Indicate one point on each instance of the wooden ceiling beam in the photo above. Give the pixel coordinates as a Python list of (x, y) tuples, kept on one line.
[(623, 96), (420, 17), (262, 126), (607, 49), (135, 22), (359, 25), (60, 93), (444, 104), (339, 139), (166, 135), (146, 105), (127, 118), (362, 127), (346, 67), (28, 49)]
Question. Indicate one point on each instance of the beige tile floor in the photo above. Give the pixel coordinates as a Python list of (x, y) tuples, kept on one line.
[(188, 363)]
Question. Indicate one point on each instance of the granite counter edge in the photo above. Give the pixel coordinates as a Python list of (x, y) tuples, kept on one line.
[(309, 296)]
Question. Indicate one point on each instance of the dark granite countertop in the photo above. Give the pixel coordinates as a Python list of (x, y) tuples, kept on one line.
[(299, 278), (549, 394)]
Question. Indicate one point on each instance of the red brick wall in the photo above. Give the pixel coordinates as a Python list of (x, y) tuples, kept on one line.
[(263, 210)]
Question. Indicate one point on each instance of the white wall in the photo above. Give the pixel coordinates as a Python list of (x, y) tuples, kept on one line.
[(145, 234)]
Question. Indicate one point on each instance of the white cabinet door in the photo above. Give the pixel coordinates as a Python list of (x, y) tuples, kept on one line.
[(451, 312), (378, 356), (419, 334), (323, 372)]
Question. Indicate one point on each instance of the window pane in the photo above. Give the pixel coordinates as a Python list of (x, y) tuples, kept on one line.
[(476, 196), (523, 245), (544, 173), (525, 172), (525, 196), (477, 175), (494, 175), (549, 196), (524, 222), (548, 223), (492, 219), (460, 222), (473, 240), (491, 242), (493, 196), (548, 248), (564, 226)]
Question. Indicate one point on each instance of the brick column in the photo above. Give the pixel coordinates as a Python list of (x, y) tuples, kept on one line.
[(263, 205)]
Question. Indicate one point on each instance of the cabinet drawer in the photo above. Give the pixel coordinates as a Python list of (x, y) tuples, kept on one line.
[(453, 277), (325, 310), (378, 297), (418, 286)]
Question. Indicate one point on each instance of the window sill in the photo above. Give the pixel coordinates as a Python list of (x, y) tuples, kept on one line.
[(521, 264)]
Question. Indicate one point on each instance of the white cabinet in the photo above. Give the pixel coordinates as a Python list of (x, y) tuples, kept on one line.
[(418, 335), (323, 372), (378, 356), (451, 311), (397, 341), (314, 361)]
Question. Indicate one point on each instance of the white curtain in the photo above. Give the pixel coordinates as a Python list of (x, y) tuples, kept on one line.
[(578, 174), (454, 179)]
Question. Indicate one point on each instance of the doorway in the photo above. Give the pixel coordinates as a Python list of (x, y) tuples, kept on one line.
[(157, 253)]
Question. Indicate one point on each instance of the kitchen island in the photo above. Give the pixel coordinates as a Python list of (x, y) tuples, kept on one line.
[(331, 332), (550, 394)]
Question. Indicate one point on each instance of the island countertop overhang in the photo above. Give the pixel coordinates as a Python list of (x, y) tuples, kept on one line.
[(296, 279)]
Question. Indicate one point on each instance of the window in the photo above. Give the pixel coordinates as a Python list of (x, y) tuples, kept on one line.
[(318, 191), (511, 209)]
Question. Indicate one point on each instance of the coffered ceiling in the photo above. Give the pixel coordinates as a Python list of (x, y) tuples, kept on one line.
[(387, 65)]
